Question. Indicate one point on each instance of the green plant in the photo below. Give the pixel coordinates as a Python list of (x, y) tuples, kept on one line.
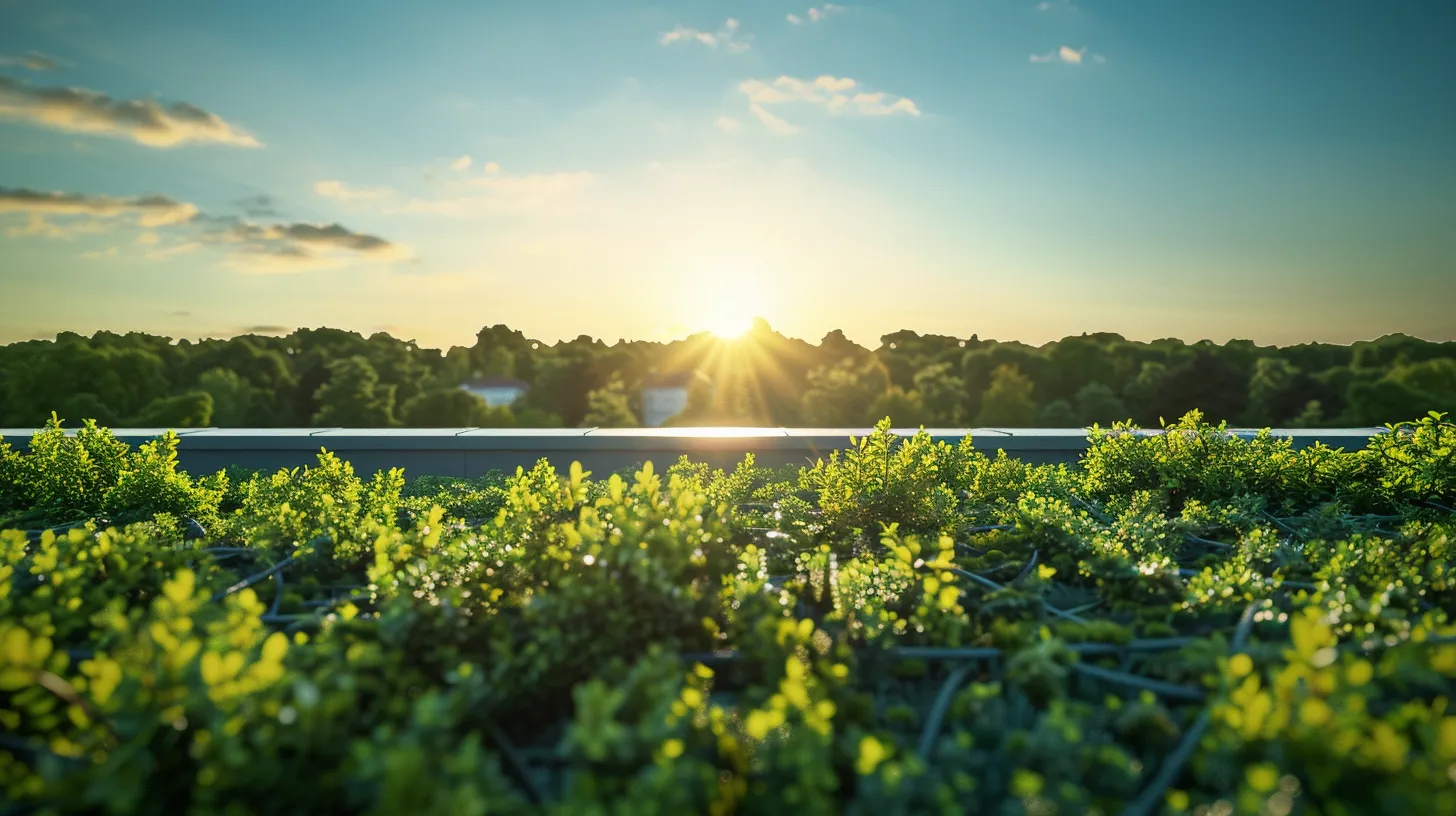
[(1182, 624)]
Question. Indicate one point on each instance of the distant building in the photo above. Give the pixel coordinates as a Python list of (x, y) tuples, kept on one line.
[(498, 392), (664, 396)]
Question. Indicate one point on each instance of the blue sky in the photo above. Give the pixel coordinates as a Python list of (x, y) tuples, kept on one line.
[(1280, 171)]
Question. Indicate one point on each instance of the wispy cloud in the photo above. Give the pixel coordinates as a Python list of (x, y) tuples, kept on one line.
[(145, 121), (532, 184), (37, 226), (255, 246), (816, 14), (340, 191), (31, 61), (258, 206), (462, 163), (86, 213), (878, 104), (1069, 56), (1056, 5), (725, 37), (300, 247), (728, 124), (489, 192), (774, 124), (497, 193), (838, 95), (173, 251)]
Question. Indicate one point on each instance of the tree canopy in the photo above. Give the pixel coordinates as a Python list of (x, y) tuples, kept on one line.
[(334, 377)]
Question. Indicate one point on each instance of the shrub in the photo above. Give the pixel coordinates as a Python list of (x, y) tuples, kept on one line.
[(908, 628)]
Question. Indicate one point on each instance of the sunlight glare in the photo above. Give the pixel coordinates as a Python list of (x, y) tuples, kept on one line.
[(730, 324), (727, 300)]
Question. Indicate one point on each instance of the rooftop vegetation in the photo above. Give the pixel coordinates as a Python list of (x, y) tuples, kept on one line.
[(1188, 622)]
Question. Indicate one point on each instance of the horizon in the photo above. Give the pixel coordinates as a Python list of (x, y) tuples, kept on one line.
[(758, 324), (1025, 171)]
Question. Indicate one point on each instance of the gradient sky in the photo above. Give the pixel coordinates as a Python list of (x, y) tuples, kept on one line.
[(1278, 170)]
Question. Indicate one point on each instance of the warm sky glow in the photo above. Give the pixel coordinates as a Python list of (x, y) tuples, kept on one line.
[(725, 297), (730, 326), (1017, 169)]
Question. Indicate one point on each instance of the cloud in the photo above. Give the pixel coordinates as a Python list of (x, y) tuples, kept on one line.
[(817, 14), (173, 251), (339, 191), (1068, 55), (149, 210), (834, 93), (533, 184), (461, 163), (497, 193), (1056, 5), (789, 89), (256, 246), (300, 247), (725, 37), (489, 192), (874, 104), (145, 121), (728, 124), (31, 61), (258, 206), (266, 329), (36, 226), (774, 124)]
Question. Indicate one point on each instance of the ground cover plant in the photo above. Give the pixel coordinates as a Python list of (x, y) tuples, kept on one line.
[(1184, 622)]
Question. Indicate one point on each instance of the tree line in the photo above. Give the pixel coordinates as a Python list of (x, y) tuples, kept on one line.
[(331, 377)]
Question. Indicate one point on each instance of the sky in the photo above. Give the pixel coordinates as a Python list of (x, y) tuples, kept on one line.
[(1276, 170)]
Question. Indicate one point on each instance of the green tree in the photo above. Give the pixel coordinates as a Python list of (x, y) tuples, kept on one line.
[(1058, 414), (609, 407), (841, 395), (500, 362), (1096, 403), (77, 408), (1278, 391), (535, 418), (192, 409), (1405, 391), (447, 408), (943, 394), (1008, 402), (232, 396), (905, 408), (269, 373), (352, 396), (1313, 416)]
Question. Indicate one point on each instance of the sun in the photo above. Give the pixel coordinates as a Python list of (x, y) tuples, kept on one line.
[(730, 324), (725, 298)]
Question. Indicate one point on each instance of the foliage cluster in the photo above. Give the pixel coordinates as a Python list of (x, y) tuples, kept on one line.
[(1188, 621), (339, 378)]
